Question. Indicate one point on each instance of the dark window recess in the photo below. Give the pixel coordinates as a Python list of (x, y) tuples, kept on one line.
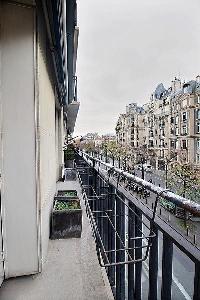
[(198, 127), (198, 114), (172, 120), (151, 133), (184, 116), (173, 144), (150, 143), (184, 144)]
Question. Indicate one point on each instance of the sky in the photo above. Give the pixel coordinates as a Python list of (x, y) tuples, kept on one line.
[(126, 48)]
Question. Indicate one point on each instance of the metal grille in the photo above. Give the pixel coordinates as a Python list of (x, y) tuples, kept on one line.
[(127, 232)]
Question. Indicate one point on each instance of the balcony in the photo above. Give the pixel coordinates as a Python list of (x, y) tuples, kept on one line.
[(128, 234), (71, 270), (128, 249)]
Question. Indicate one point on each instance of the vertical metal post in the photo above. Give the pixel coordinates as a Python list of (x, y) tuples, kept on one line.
[(97, 201), (119, 163), (167, 268), (112, 238), (105, 220), (138, 255), (166, 175), (196, 295), (101, 208), (131, 234), (120, 255), (153, 266)]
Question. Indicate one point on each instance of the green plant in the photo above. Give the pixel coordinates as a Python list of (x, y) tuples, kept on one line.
[(184, 179), (67, 193), (69, 153), (65, 205)]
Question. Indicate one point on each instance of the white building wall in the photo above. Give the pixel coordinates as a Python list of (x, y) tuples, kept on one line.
[(32, 139), (47, 141), (18, 138)]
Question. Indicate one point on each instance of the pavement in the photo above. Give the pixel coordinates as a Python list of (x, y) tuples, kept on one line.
[(71, 271)]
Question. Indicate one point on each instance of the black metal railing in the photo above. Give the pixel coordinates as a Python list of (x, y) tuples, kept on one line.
[(144, 256)]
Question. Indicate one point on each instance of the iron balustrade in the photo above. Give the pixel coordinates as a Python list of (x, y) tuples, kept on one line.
[(127, 232)]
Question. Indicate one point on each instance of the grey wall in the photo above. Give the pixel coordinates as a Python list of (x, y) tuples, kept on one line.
[(32, 136), (47, 134), (18, 168)]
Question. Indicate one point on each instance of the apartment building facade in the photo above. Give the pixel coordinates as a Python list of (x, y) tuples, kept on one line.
[(130, 128), (168, 126)]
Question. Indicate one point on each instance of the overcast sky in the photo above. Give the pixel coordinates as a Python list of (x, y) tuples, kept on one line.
[(126, 48)]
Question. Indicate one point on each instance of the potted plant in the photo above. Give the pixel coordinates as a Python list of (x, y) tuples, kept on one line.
[(66, 195), (66, 218), (69, 156)]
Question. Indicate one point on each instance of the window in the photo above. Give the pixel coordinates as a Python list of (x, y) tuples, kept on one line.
[(173, 144), (198, 158), (184, 116), (162, 144), (184, 144), (198, 127), (162, 124), (198, 144), (184, 130), (172, 120), (177, 131), (198, 99), (151, 133), (198, 114), (176, 120), (162, 133), (172, 131), (150, 143), (161, 153)]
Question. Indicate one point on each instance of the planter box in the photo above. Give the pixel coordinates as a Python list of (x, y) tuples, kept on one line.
[(66, 223), (66, 195), (69, 163), (70, 174)]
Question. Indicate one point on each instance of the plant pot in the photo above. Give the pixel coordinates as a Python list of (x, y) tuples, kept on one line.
[(70, 174), (69, 163), (66, 195), (66, 223)]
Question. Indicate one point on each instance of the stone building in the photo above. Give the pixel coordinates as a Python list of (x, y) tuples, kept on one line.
[(168, 125), (130, 126)]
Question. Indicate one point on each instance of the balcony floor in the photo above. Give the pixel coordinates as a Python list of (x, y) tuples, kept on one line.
[(71, 271)]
